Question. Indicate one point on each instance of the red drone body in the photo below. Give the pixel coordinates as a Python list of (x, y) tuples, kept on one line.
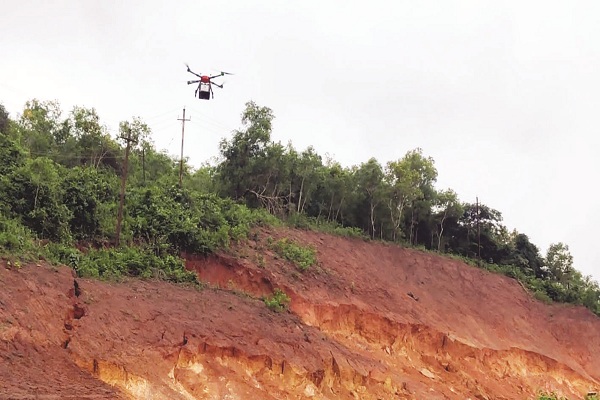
[(204, 90)]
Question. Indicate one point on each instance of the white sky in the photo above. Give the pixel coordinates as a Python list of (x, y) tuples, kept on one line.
[(503, 95)]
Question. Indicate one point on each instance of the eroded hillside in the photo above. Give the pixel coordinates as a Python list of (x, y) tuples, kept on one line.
[(369, 321)]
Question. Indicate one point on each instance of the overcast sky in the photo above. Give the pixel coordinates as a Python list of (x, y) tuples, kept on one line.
[(504, 95)]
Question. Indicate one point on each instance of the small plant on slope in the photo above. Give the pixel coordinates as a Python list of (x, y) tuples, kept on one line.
[(550, 396), (279, 301), (303, 257)]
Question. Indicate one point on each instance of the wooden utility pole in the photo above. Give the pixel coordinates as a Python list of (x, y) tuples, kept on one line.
[(128, 139), (181, 159)]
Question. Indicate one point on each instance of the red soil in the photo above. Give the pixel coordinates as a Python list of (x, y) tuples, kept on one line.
[(371, 321)]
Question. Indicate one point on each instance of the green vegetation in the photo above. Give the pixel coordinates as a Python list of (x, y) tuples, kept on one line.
[(59, 190), (550, 396), (553, 396), (303, 257), (60, 181), (278, 302), (303, 221)]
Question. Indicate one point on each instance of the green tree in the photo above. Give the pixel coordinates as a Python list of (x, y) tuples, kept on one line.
[(526, 256), (560, 263), (446, 205), (403, 190), (478, 232), (40, 126), (245, 153), (369, 177), (93, 141), (410, 179), (4, 120), (332, 193), (90, 195), (11, 155), (33, 192), (307, 173)]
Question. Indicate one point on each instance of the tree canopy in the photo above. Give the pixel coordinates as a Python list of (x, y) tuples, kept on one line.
[(60, 176)]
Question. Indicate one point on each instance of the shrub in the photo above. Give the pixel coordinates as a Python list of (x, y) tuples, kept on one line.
[(550, 396), (15, 239), (132, 261), (279, 301), (303, 257), (59, 253)]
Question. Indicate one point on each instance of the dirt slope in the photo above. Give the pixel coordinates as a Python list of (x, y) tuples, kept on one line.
[(372, 321)]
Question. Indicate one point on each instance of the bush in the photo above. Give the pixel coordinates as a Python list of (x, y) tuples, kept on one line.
[(59, 253), (15, 239), (169, 219), (279, 301), (303, 257), (550, 396), (132, 261), (33, 193)]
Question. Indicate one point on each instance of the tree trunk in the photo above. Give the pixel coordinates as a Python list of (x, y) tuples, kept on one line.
[(330, 206), (441, 232), (338, 211), (412, 221), (300, 195), (372, 220)]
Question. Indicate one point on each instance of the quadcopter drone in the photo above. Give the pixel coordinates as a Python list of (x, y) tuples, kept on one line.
[(204, 90)]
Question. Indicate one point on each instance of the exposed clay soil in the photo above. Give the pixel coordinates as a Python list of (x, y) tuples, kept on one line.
[(371, 321)]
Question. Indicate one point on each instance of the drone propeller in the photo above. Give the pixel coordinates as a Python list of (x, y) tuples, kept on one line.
[(221, 73)]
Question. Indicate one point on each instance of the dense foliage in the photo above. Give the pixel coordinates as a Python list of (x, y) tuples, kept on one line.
[(60, 177)]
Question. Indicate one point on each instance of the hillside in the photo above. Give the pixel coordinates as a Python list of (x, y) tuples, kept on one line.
[(368, 321)]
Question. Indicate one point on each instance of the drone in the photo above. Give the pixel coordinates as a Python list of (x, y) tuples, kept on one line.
[(204, 90)]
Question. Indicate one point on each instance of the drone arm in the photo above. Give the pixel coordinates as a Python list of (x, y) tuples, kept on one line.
[(192, 72), (216, 84), (190, 82)]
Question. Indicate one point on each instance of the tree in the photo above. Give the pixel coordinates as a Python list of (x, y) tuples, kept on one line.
[(560, 263), (526, 256), (34, 193), (90, 194), (11, 155), (335, 191), (94, 144), (410, 178), (39, 126), (403, 190), (369, 178), (245, 151), (478, 231), (4, 120), (446, 205)]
